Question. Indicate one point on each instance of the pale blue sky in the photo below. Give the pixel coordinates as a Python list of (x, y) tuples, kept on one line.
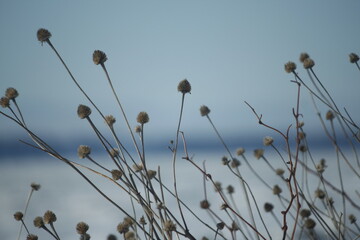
[(230, 51)]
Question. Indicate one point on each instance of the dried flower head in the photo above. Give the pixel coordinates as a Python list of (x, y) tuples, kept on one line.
[(204, 110), (82, 228), (240, 151), (4, 102), (224, 206), (309, 223), (18, 216), (204, 204), (11, 93), (137, 129), (32, 237), (230, 189), (268, 207), (268, 141), (301, 124), (234, 226), (129, 236), (138, 167), (142, 220), (276, 190), (85, 237), (235, 163), (122, 228), (220, 225), (114, 152), (169, 226), (35, 186), (184, 86), (49, 217), (218, 187), (83, 151), (302, 135), (99, 57), (111, 237), (225, 160), (353, 57), (204, 238), (303, 148), (290, 67), (38, 222), (43, 35), (258, 153), (352, 218), (110, 120), (303, 57), (280, 171), (128, 221), (308, 63), (319, 193), (116, 174), (329, 115), (151, 173), (305, 213), (142, 118), (83, 111)]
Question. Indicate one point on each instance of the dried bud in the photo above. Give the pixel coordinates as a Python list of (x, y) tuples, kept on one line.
[(85, 237), (290, 67), (301, 124), (308, 63), (240, 151), (305, 213), (303, 148), (169, 226), (224, 206), (235, 163), (83, 111), (204, 204), (4, 102), (18, 216), (43, 35), (31, 237), (218, 187), (184, 86), (220, 225), (151, 174), (302, 135), (11, 93), (35, 186), (38, 222), (142, 221), (230, 189), (138, 129), (110, 120), (114, 152), (268, 207), (99, 57), (138, 167), (225, 160), (49, 217), (234, 226), (309, 223), (276, 190), (111, 237), (83, 151), (329, 115), (122, 228), (142, 118), (82, 228), (280, 171), (129, 236), (268, 141), (354, 58), (352, 218), (258, 153), (303, 57), (204, 110), (319, 193), (116, 174)]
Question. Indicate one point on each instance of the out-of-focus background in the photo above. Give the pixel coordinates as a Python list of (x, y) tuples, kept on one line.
[(230, 51)]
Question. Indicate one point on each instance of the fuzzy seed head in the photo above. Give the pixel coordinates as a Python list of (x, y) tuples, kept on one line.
[(301, 124), (268, 207), (4, 102), (82, 228), (280, 171), (110, 120), (305, 213), (353, 57), (122, 228), (309, 223), (43, 35), (83, 151), (258, 153), (184, 86), (235, 163), (116, 174), (218, 187), (204, 110), (83, 111), (303, 148), (303, 57), (234, 226), (352, 218), (38, 222), (169, 226), (85, 237), (290, 67), (99, 57), (230, 189), (18, 216), (128, 221), (142, 221), (225, 160), (49, 217), (138, 167), (35, 186), (151, 173), (220, 225), (268, 141), (32, 237), (329, 115), (11, 93), (142, 118), (308, 63), (129, 236), (319, 193), (111, 237), (137, 129), (302, 135), (240, 151), (114, 152), (276, 190), (204, 204)]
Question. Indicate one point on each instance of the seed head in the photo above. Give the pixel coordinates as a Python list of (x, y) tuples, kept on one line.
[(220, 225), (303, 57), (204, 204), (99, 57), (329, 115), (110, 120), (268, 207), (268, 141), (82, 228), (303, 148), (353, 57), (230, 189), (31, 237), (38, 222), (11, 93), (218, 187), (184, 86), (290, 67), (142, 118), (18, 216), (308, 63), (225, 160), (276, 190), (204, 110), (151, 173), (43, 35), (309, 223), (35, 186), (111, 237), (235, 163), (280, 171), (122, 228), (130, 236), (302, 135), (319, 193), (352, 218), (83, 111), (114, 152), (142, 221), (85, 237), (138, 167), (301, 124), (137, 129), (116, 174), (49, 217), (240, 151), (305, 213), (4, 102), (234, 226), (169, 226), (128, 221), (83, 151), (258, 153)]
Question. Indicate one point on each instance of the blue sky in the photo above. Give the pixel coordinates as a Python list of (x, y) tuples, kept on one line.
[(230, 51)]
